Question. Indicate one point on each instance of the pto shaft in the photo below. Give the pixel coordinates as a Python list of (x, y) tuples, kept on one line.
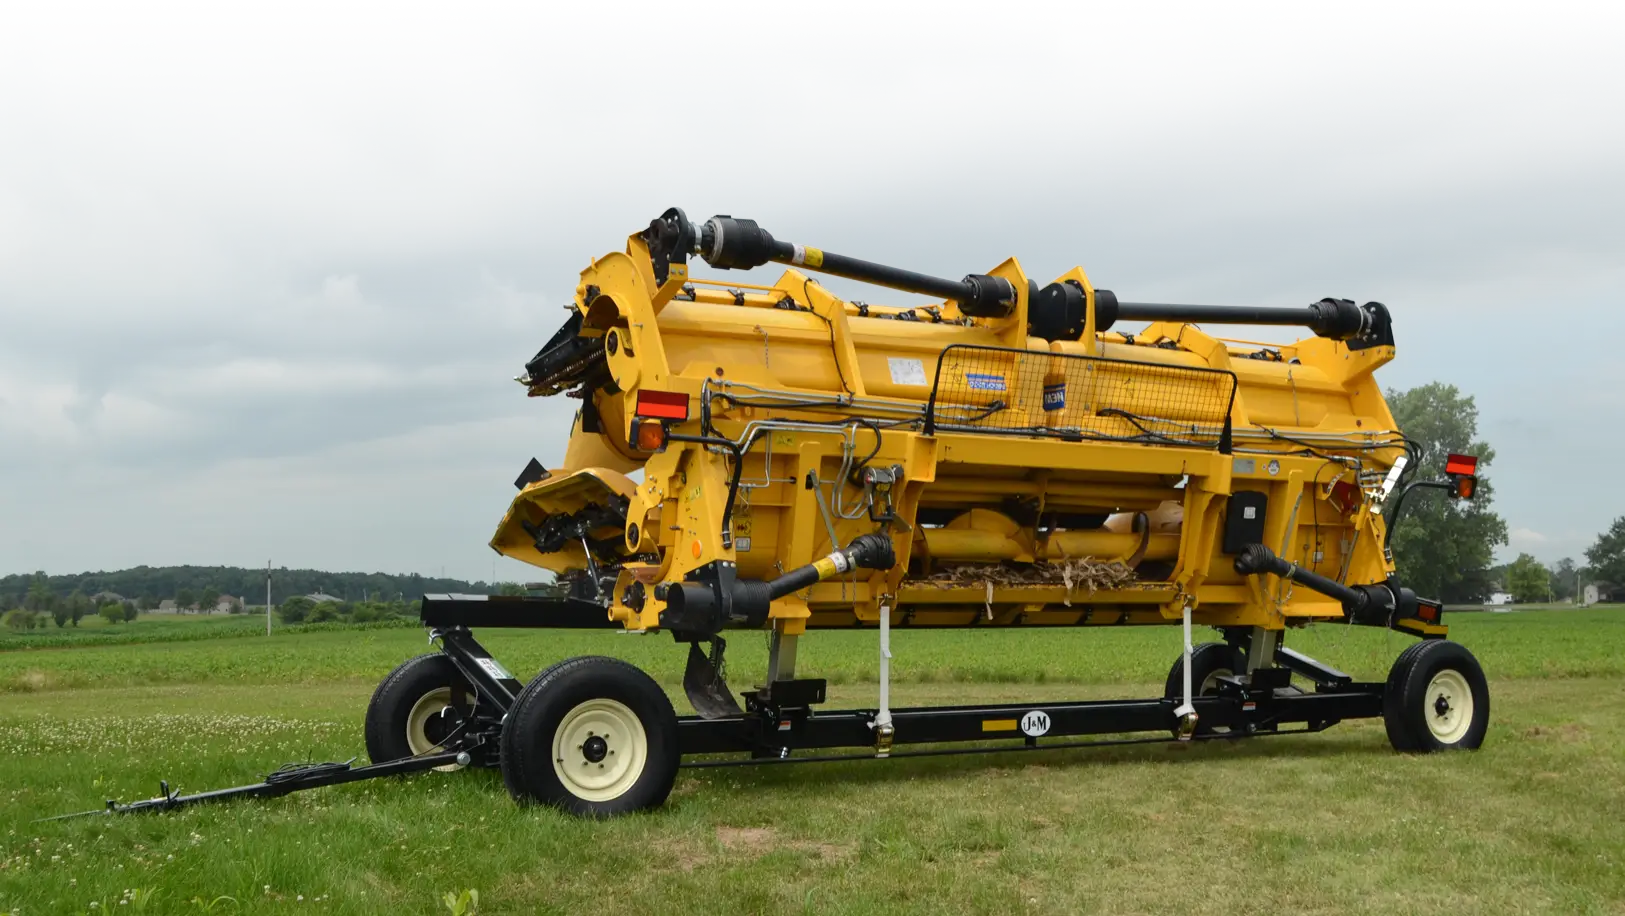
[(727, 243)]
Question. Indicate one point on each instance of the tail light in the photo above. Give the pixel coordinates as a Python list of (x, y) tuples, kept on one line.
[(651, 421), (1462, 470)]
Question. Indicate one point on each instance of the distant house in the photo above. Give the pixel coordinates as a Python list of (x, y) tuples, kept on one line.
[(1598, 592), (107, 598), (167, 606), (320, 597), (227, 604), (1498, 598)]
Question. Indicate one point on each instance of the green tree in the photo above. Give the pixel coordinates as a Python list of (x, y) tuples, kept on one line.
[(295, 610), (1443, 547), (1565, 577), (323, 613), (1607, 555), (79, 606), (208, 599), (112, 612), (184, 599), (18, 619), (40, 597), (1527, 579), (516, 589), (60, 615), (131, 612)]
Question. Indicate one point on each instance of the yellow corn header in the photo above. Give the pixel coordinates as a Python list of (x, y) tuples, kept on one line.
[(1030, 463)]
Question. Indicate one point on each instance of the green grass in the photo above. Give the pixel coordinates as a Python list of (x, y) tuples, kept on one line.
[(1550, 644), (1329, 823), (96, 631)]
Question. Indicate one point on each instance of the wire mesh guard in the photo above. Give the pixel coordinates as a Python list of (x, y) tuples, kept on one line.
[(1034, 393)]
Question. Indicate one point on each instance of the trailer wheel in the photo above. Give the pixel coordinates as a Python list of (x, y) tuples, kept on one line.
[(593, 736), (1209, 662), (1436, 699), (412, 711)]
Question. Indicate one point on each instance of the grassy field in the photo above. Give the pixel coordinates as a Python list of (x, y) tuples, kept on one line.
[(1329, 823)]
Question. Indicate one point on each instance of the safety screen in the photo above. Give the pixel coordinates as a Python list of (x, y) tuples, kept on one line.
[(1037, 393)]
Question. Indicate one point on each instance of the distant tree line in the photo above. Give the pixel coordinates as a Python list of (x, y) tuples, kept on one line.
[(1527, 579), (145, 586)]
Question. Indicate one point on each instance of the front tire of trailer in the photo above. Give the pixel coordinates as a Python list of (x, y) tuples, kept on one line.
[(1209, 662), (1436, 699), (592, 736), (412, 711)]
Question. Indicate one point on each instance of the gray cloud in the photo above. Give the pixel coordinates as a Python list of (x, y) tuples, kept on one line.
[(265, 276)]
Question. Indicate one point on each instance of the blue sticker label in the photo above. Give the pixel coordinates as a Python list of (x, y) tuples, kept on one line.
[(981, 381), (1055, 396)]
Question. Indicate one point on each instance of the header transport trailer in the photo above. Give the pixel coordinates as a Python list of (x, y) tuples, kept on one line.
[(1005, 456)]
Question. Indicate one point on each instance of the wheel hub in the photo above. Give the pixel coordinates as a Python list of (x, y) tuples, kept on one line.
[(595, 748)]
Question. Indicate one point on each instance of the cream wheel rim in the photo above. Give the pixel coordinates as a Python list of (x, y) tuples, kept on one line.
[(1449, 709), (599, 750), (1210, 684), (431, 705)]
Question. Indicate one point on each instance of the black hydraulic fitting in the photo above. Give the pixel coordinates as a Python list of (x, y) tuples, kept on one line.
[(988, 297), (1059, 311)]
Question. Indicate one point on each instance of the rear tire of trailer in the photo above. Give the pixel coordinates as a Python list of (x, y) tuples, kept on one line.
[(593, 736), (1209, 662), (1436, 699), (411, 712)]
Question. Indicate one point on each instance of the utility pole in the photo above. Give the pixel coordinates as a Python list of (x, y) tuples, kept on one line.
[(267, 597)]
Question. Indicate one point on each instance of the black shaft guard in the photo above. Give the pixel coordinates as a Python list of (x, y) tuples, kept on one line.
[(705, 685)]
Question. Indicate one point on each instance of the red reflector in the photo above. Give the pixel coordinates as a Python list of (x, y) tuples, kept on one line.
[(1460, 464), (1428, 612), (1345, 496), (666, 405)]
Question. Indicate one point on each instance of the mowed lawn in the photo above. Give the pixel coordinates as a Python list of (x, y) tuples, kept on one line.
[(1328, 823)]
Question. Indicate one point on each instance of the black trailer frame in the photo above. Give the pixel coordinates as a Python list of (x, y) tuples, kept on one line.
[(1245, 705), (779, 724)]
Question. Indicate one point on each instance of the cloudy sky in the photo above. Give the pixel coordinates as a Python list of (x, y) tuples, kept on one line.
[(266, 272)]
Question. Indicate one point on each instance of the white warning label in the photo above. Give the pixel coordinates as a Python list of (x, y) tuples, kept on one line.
[(905, 371)]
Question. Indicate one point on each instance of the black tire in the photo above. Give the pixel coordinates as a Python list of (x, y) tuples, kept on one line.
[(1399, 734), (618, 774), (510, 775), (390, 726), (1423, 704), (1207, 660)]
